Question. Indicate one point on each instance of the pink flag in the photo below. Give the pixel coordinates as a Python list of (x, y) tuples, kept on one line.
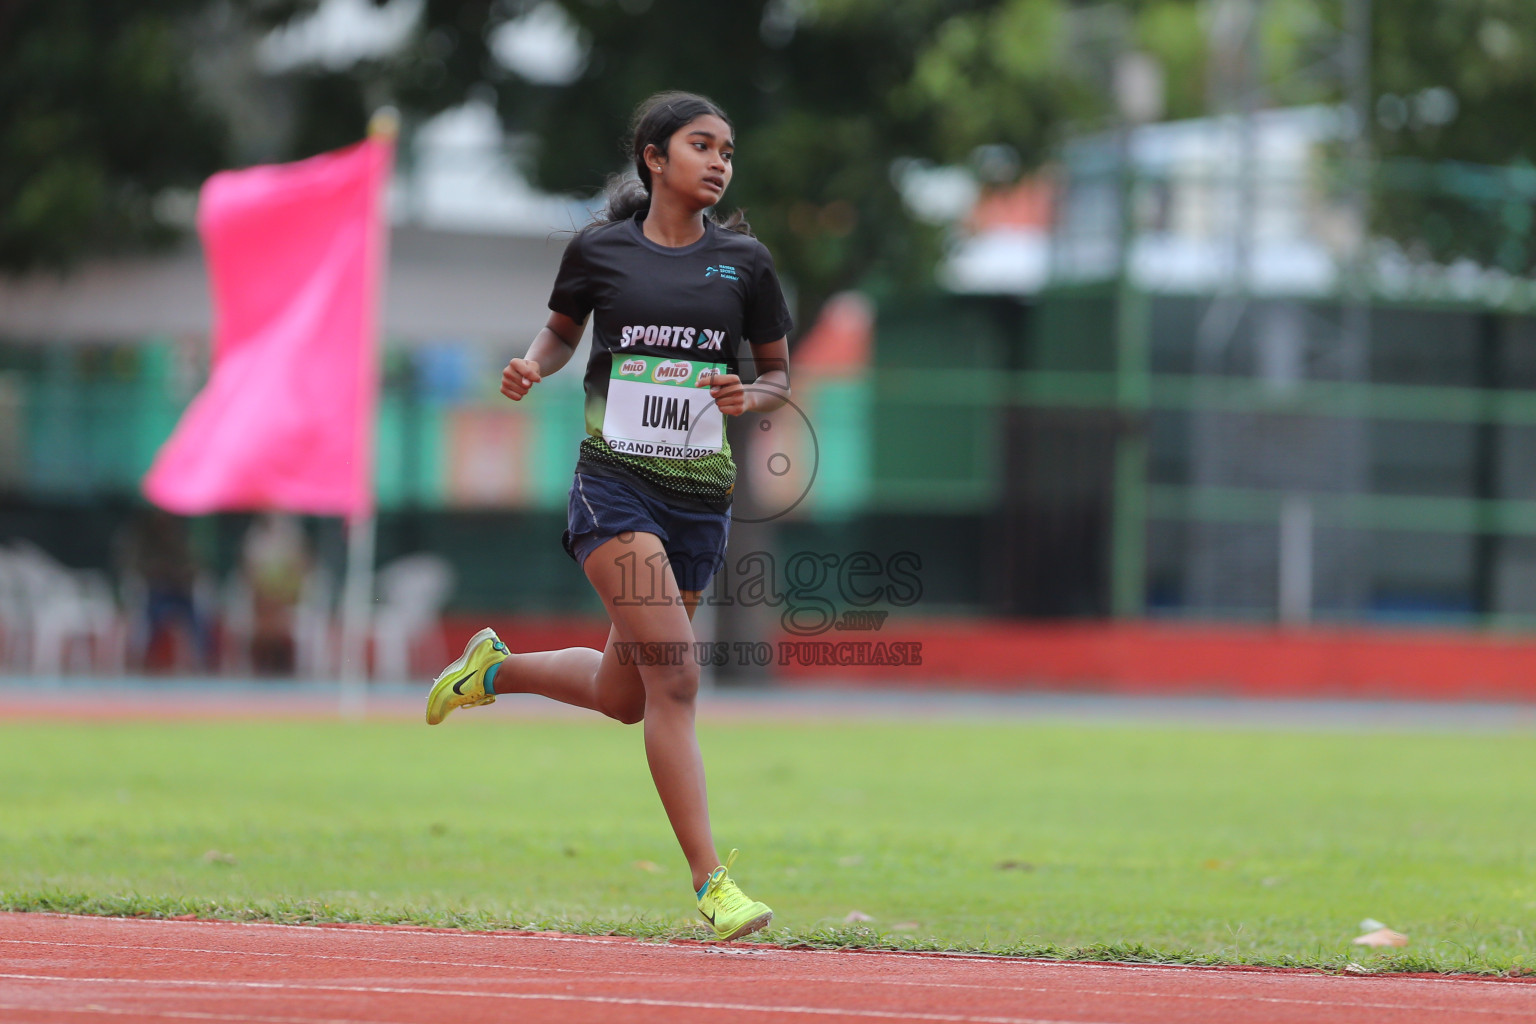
[(296, 254)]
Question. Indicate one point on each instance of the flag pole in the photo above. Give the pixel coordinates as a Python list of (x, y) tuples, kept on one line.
[(357, 590), (357, 597)]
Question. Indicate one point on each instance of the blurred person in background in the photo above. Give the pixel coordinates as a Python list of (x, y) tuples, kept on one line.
[(275, 562), (163, 585), (674, 292)]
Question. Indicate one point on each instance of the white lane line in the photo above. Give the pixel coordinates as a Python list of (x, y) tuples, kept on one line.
[(158, 1014), (654, 978), (326, 929), (675, 1004), (316, 956)]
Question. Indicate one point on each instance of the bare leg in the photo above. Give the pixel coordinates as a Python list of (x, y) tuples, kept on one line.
[(671, 747), (584, 677)]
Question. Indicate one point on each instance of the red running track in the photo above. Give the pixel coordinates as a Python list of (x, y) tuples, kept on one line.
[(70, 969)]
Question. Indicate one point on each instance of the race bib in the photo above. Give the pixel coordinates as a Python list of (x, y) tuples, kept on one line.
[(656, 407)]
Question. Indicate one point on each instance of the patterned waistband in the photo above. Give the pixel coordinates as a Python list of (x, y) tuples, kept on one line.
[(710, 479)]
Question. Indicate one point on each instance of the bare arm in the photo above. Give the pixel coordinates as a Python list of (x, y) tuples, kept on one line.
[(769, 392), (551, 349), (771, 389)]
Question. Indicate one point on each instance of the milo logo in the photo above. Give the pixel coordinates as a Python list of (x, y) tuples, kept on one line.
[(633, 368), (672, 372)]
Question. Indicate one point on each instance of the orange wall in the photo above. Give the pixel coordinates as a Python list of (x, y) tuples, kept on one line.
[(1144, 658)]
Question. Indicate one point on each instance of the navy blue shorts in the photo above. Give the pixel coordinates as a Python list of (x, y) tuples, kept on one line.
[(602, 507)]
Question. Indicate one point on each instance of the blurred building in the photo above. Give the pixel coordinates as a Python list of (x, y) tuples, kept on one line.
[(1235, 397)]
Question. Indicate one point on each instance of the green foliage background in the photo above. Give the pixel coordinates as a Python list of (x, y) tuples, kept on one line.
[(97, 115), (105, 104)]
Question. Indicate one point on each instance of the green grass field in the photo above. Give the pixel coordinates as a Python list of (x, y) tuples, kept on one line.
[(1112, 842)]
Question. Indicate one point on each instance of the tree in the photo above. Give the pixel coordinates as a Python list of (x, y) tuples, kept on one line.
[(99, 112), (815, 95), (1450, 83), (97, 117), (826, 96), (1455, 81)]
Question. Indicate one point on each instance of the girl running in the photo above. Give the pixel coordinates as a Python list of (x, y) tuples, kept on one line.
[(674, 292)]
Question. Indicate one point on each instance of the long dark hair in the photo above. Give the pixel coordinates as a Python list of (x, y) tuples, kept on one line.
[(654, 123)]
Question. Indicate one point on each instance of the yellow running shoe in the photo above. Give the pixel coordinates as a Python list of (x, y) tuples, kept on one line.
[(727, 908), (462, 684)]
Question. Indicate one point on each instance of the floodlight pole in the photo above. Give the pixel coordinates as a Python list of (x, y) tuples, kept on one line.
[(1357, 86), (1355, 313), (1133, 384)]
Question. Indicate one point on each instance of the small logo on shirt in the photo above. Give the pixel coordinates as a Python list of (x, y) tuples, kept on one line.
[(673, 371), (633, 368), (725, 273)]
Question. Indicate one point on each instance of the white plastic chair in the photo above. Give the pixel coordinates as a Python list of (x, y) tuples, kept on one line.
[(15, 616), (412, 592), (65, 607), (312, 624)]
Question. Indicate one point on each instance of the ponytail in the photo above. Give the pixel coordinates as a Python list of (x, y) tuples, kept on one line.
[(626, 197)]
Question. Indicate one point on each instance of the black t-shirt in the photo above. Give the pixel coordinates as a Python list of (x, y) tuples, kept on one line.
[(692, 304)]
